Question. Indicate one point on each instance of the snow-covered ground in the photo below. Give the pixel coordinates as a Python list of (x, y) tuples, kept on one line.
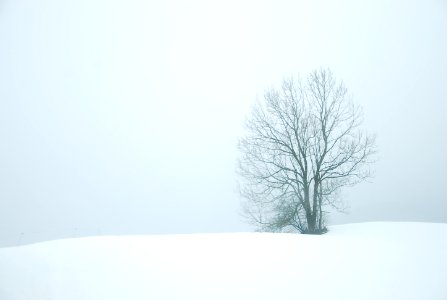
[(356, 261)]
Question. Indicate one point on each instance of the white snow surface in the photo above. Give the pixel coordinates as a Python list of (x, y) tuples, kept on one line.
[(383, 260)]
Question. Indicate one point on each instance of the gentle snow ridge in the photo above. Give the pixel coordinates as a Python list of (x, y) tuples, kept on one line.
[(357, 261)]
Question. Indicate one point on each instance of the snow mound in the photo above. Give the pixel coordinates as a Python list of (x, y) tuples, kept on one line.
[(356, 261)]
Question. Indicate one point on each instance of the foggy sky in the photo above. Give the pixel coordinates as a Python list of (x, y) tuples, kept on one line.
[(122, 117)]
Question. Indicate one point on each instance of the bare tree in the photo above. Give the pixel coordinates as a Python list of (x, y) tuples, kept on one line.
[(303, 144)]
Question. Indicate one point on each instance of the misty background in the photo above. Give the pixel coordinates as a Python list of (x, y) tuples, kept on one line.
[(123, 117)]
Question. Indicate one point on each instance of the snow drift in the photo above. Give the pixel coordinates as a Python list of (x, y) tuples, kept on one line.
[(356, 261)]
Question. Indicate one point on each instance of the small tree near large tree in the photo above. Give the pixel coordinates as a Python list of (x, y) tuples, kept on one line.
[(303, 144)]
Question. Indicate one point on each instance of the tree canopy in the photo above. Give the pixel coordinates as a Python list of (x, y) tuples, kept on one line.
[(304, 142)]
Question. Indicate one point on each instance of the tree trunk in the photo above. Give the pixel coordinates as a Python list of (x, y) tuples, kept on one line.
[(308, 209), (311, 223), (320, 212)]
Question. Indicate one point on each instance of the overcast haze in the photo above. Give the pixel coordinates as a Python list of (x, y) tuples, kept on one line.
[(122, 117)]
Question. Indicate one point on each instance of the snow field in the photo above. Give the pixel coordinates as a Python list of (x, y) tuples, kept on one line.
[(355, 261)]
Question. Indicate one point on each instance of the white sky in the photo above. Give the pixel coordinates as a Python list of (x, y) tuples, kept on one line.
[(123, 116)]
